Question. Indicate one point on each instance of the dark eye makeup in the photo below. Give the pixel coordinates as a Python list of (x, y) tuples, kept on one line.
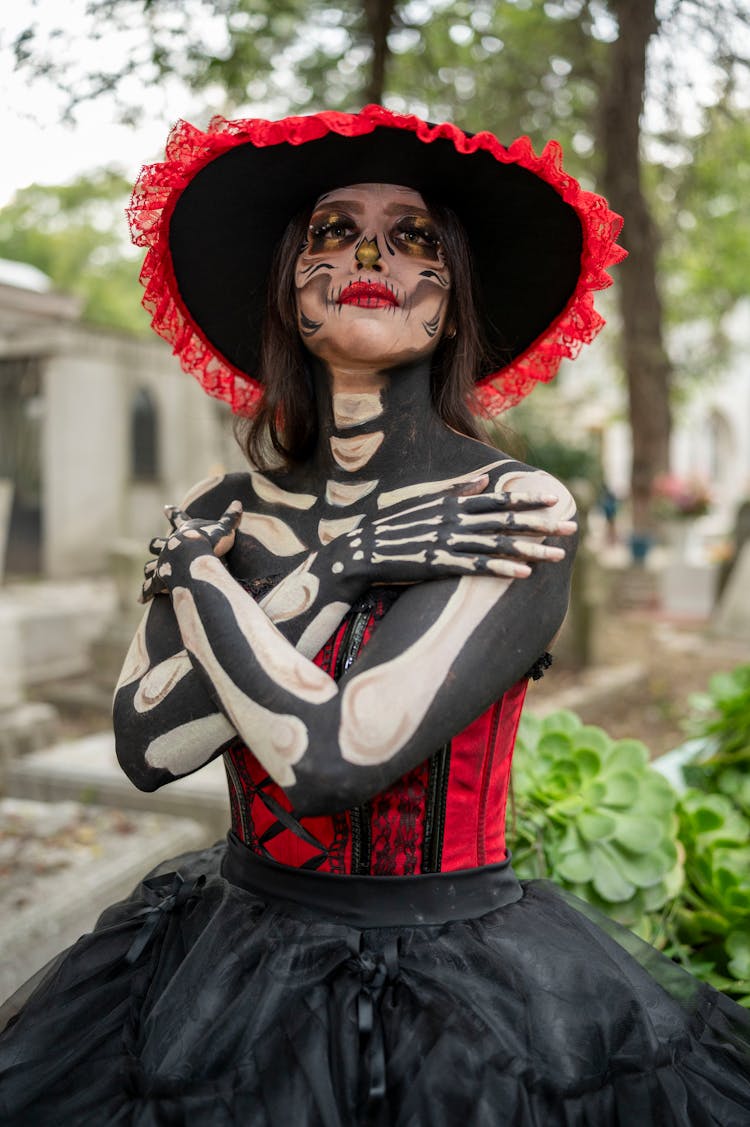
[(412, 234), (330, 230), (417, 235)]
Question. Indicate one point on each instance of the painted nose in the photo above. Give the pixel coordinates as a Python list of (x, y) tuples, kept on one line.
[(368, 256)]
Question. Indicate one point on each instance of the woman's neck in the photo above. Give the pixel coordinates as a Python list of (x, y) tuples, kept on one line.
[(377, 425)]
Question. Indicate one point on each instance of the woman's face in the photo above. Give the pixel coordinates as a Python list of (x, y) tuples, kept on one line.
[(371, 280)]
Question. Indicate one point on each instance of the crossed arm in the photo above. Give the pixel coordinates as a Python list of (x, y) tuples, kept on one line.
[(446, 650)]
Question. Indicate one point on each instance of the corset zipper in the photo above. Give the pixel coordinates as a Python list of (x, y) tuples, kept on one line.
[(360, 816), (234, 785), (434, 821), (489, 757)]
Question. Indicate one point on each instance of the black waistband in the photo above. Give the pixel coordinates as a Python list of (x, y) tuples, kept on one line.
[(366, 901)]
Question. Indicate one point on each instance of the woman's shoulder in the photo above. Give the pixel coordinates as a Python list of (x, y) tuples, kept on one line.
[(519, 477), (509, 474), (262, 498), (212, 495)]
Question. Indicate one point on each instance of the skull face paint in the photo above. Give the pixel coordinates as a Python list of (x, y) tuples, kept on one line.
[(371, 280)]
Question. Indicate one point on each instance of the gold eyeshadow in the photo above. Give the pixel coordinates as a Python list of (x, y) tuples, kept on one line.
[(414, 235), (417, 235), (329, 230)]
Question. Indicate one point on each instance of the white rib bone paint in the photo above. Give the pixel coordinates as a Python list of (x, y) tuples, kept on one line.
[(278, 740), (273, 533), (353, 453), (279, 660), (328, 530), (351, 409), (272, 493), (370, 734), (343, 493)]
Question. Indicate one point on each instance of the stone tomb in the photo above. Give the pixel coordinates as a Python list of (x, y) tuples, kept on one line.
[(62, 863), (732, 616)]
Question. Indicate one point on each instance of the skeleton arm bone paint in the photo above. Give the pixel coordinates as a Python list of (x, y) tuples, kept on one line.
[(439, 658), (167, 723), (454, 529)]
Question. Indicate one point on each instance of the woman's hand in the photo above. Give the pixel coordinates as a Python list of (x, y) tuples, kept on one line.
[(190, 537), (463, 531)]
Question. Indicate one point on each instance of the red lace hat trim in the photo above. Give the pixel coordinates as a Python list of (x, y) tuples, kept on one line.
[(189, 150)]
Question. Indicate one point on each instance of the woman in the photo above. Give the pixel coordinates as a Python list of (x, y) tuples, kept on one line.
[(360, 951)]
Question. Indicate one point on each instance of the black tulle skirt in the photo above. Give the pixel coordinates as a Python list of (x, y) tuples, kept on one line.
[(263, 1000)]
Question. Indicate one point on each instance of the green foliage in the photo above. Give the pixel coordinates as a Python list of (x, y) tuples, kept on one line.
[(721, 717), (709, 930), (593, 815), (453, 57), (532, 432), (513, 68), (709, 926), (723, 713), (701, 200), (568, 461), (76, 234), (523, 66)]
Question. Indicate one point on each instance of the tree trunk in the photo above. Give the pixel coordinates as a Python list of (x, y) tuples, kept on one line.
[(647, 365), (379, 20)]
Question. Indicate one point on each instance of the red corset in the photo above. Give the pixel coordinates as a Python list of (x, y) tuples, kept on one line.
[(448, 813)]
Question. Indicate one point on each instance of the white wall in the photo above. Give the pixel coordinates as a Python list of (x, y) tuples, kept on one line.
[(711, 437), (90, 499)]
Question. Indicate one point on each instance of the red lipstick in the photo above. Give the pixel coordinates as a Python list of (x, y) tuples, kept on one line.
[(370, 295)]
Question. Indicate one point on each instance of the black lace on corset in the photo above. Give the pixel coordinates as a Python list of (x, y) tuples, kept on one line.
[(540, 665), (260, 586)]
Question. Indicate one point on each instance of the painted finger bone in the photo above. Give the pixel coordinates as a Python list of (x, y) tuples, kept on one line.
[(398, 526), (497, 545), (516, 521), (475, 564), (175, 516), (391, 541), (414, 557)]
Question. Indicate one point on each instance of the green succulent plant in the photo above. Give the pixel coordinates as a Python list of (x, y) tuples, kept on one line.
[(721, 717), (592, 815), (710, 924)]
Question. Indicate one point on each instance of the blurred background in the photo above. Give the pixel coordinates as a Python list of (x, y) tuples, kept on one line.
[(651, 426)]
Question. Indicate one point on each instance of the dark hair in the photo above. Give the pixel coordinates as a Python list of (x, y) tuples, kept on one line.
[(287, 414)]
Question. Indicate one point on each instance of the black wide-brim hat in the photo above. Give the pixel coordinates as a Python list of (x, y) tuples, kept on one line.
[(214, 211)]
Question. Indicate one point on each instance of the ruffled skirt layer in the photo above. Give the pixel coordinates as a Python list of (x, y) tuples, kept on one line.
[(197, 1002)]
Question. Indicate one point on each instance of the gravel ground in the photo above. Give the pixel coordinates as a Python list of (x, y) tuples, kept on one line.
[(679, 659), (41, 839)]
